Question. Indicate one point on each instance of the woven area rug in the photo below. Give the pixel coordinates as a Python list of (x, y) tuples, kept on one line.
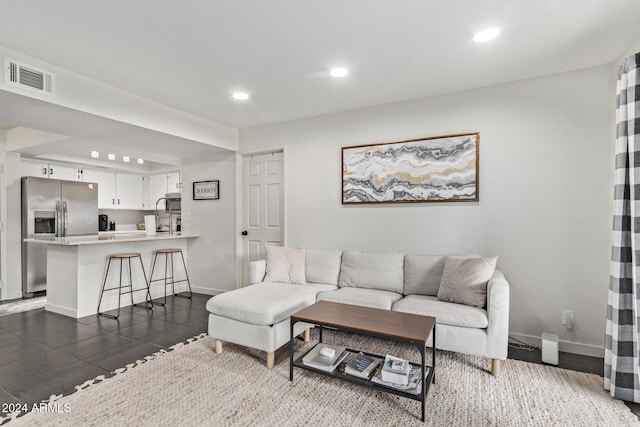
[(23, 305), (191, 385)]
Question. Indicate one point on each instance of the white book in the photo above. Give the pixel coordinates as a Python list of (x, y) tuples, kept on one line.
[(316, 360), (414, 385), (395, 370)]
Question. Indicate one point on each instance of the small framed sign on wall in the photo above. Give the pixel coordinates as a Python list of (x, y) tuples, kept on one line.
[(206, 190)]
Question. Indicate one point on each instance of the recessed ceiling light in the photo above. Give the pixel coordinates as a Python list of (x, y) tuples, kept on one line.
[(111, 156), (95, 154), (140, 161), (240, 96), (339, 72), (486, 35), (125, 159)]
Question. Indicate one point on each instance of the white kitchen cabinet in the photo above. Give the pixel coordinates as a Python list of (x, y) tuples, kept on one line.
[(34, 168), (161, 184), (41, 169), (129, 191), (174, 182), (117, 190), (66, 172), (106, 186), (157, 189)]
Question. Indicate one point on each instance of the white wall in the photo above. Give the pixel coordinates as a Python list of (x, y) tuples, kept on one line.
[(10, 240), (545, 169), (211, 262), (83, 94), (633, 48), (3, 213)]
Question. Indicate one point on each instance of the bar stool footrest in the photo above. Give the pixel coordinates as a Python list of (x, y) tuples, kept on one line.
[(110, 316), (146, 306)]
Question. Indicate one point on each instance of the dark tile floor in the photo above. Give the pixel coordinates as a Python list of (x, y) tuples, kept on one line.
[(574, 362), (43, 353)]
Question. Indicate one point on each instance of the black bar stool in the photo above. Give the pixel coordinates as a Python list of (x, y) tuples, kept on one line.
[(170, 279), (148, 304)]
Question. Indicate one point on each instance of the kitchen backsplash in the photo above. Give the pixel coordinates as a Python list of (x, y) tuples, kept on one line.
[(122, 216)]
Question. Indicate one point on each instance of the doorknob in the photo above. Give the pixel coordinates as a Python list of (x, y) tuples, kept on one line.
[(245, 232)]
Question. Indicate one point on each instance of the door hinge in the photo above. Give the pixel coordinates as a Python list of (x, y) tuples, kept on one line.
[(1, 284)]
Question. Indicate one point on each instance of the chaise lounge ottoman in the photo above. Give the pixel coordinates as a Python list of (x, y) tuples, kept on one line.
[(257, 316)]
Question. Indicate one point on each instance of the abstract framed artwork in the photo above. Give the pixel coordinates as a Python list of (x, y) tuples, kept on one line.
[(435, 169)]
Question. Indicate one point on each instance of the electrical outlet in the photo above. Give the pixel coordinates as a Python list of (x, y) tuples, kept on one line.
[(567, 314)]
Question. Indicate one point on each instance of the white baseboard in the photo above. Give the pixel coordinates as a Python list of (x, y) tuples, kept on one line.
[(61, 310), (563, 346), (156, 293)]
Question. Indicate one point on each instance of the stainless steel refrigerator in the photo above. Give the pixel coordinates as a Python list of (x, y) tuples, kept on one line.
[(53, 208)]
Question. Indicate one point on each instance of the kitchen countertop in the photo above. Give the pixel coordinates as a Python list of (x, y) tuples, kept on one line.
[(108, 238), (111, 233)]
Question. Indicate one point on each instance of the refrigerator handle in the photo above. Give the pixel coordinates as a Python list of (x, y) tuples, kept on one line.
[(65, 219), (58, 225)]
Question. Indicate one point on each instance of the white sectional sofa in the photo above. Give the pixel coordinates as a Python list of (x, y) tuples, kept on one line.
[(257, 315)]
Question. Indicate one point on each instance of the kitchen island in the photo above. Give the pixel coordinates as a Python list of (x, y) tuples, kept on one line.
[(76, 268)]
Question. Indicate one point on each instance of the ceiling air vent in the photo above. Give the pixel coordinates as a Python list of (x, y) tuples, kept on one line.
[(29, 77)]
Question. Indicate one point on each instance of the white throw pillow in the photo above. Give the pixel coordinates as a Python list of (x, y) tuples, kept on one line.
[(423, 274), (372, 270), (322, 266), (464, 280), (285, 265)]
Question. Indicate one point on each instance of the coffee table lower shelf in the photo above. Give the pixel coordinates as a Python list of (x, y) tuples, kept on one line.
[(339, 374)]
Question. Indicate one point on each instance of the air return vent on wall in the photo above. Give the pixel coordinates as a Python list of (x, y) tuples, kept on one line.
[(29, 77)]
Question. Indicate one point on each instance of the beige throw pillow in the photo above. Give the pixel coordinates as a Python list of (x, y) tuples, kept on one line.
[(285, 265), (464, 280)]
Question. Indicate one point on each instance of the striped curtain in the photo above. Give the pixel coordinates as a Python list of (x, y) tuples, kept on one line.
[(621, 357)]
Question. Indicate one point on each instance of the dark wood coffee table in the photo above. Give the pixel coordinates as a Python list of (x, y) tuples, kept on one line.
[(401, 327)]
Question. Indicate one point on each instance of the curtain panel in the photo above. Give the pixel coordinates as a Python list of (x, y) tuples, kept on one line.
[(622, 361)]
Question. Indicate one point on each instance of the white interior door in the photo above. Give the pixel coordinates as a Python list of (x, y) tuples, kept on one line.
[(263, 207)]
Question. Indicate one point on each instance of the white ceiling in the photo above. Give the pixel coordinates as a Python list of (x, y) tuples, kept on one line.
[(87, 132), (192, 55)]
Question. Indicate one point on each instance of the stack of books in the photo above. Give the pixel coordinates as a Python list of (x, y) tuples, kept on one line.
[(362, 366), (414, 384), (325, 357), (399, 374), (395, 370)]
